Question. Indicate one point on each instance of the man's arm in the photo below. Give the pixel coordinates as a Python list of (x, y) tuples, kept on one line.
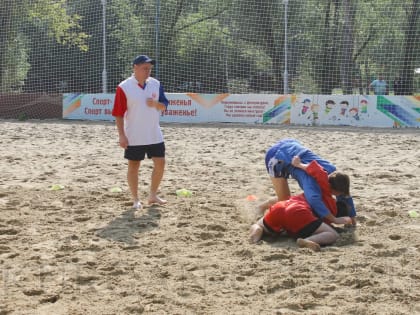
[(123, 141), (316, 171), (314, 194), (371, 86), (158, 105), (120, 107), (162, 103)]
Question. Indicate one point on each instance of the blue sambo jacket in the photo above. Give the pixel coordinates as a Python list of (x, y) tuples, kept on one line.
[(278, 162)]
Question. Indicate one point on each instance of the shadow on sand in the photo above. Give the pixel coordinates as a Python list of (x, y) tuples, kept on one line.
[(123, 228)]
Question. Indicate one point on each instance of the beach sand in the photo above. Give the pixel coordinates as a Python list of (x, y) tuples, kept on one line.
[(70, 244)]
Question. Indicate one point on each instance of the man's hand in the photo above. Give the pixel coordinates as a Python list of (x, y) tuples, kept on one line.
[(151, 102), (342, 220), (155, 104), (123, 141), (296, 161)]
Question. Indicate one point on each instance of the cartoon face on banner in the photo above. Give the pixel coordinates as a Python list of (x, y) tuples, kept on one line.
[(329, 106), (306, 105), (363, 106), (354, 113), (301, 110)]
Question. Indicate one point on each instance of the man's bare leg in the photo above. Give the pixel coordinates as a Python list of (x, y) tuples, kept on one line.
[(133, 182), (281, 187), (324, 235), (157, 175)]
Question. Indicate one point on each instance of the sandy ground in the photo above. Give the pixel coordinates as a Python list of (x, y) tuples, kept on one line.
[(80, 249)]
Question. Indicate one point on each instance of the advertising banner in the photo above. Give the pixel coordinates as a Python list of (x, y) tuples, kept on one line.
[(356, 110), (190, 107), (88, 106), (308, 110), (235, 108)]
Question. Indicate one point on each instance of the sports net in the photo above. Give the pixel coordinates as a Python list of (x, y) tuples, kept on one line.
[(210, 46)]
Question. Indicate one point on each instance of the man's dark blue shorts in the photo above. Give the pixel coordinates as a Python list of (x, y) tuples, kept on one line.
[(138, 152)]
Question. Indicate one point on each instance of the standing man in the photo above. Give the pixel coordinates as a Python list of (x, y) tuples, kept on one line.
[(380, 87), (139, 100)]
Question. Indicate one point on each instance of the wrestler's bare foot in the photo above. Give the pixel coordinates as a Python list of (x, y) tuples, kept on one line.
[(255, 233), (156, 200), (308, 244)]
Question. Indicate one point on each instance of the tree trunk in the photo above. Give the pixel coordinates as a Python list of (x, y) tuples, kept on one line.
[(411, 47), (328, 70), (347, 66), (326, 54)]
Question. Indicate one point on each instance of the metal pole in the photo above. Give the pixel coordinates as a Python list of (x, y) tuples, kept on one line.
[(104, 74), (285, 77), (157, 38)]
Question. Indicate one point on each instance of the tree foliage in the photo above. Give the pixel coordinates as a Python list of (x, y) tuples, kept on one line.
[(209, 46), (50, 18)]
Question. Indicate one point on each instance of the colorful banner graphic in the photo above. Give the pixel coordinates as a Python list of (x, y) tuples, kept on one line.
[(236, 108), (88, 106), (308, 110), (356, 110)]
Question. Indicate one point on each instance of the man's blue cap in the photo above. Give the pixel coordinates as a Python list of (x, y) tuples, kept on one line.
[(143, 59)]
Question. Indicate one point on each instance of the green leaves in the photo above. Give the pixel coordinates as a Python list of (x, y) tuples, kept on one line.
[(55, 18)]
